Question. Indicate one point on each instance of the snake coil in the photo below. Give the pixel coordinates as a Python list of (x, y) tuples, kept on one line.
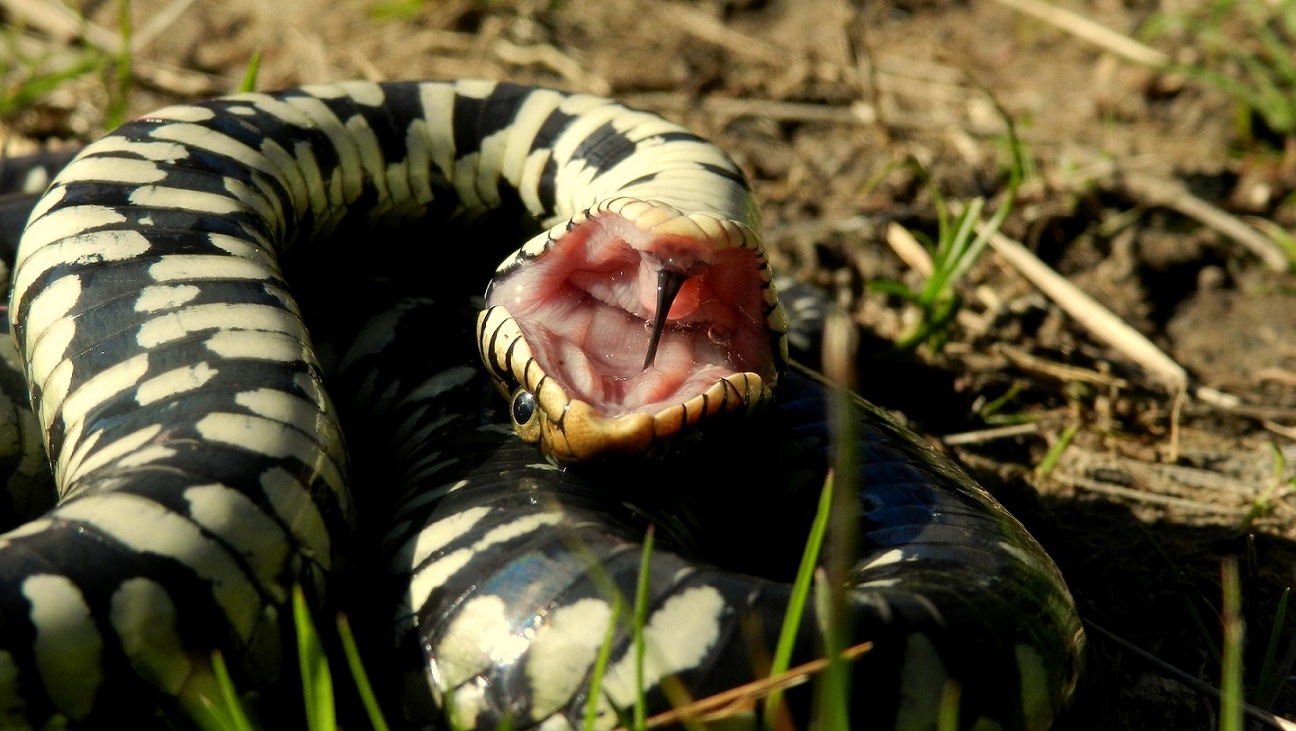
[(202, 473)]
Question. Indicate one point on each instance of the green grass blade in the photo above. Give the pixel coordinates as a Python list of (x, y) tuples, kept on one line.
[(238, 718), (395, 9), (249, 81), (1231, 670), (1278, 53), (799, 597), (1286, 12), (1223, 82), (1271, 676), (1016, 173), (640, 618), (947, 718), (212, 702), (363, 686), (601, 665), (1050, 460), (992, 408), (597, 573), (1272, 101), (118, 100), (25, 93), (963, 248), (317, 683), (892, 288), (833, 692), (960, 241)]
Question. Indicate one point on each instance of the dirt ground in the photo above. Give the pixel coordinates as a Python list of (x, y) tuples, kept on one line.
[(819, 100)]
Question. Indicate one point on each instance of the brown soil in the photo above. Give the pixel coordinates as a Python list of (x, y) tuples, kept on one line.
[(818, 100)]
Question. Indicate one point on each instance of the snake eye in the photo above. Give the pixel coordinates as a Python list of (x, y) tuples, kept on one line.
[(526, 415)]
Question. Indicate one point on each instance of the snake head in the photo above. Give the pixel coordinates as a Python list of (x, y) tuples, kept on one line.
[(574, 334)]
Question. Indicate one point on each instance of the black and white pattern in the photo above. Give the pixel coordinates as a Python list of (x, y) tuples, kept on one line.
[(492, 550), (202, 472)]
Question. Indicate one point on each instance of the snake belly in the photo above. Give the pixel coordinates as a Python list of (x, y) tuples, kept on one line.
[(202, 473)]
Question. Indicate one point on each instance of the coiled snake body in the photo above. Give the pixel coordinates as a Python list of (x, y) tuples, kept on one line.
[(202, 472)]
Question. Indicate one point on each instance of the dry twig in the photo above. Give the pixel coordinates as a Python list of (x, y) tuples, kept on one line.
[(707, 28), (1173, 195), (158, 23), (1086, 29), (737, 700), (552, 58), (988, 435), (1091, 315), (1162, 478), (1060, 371), (1281, 430), (909, 249)]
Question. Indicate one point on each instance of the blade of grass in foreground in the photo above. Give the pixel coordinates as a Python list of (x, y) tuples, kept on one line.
[(947, 719), (833, 693), (317, 683), (641, 617), (601, 664), (800, 596), (1273, 672), (119, 93), (669, 685), (233, 707), (24, 94), (213, 702), (363, 687), (249, 81), (1231, 672)]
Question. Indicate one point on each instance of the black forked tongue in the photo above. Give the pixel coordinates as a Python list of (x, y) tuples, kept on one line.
[(668, 285)]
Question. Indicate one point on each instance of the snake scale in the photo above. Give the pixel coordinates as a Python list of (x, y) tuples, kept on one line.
[(202, 471)]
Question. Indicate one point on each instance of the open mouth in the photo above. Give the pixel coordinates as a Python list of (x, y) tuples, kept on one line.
[(635, 320)]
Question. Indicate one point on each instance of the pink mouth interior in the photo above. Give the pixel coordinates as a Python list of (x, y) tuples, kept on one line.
[(587, 304)]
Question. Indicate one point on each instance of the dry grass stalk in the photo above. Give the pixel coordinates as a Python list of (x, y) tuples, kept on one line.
[(1170, 194), (1089, 484), (707, 28), (988, 435), (1086, 29), (743, 698), (909, 249), (1059, 371), (1091, 315)]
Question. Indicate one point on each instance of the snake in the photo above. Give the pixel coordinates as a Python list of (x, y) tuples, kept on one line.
[(200, 437)]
